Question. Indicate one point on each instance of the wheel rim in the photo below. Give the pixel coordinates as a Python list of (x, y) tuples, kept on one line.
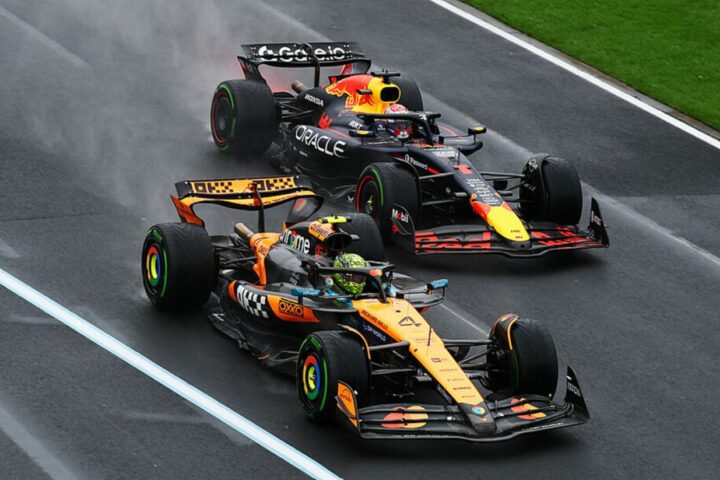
[(312, 378), (368, 200), (221, 116), (154, 266)]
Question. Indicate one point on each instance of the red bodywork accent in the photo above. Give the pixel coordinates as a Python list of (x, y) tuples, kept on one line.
[(425, 240), (570, 237), (481, 209), (464, 169), (325, 121)]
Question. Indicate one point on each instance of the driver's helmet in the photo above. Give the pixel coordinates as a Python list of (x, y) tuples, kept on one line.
[(400, 129), (352, 283)]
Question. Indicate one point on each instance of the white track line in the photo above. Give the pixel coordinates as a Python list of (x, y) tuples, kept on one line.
[(169, 380), (579, 72), (35, 450), (44, 39), (6, 251)]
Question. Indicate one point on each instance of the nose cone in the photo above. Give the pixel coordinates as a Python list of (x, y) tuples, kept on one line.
[(503, 220)]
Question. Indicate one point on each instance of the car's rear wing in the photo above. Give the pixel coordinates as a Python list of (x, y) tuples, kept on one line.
[(255, 193), (320, 54)]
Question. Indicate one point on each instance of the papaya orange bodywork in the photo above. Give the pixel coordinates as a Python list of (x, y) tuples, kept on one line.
[(401, 321)]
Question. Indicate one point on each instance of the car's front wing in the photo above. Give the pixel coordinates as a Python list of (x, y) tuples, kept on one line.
[(487, 422), (480, 238)]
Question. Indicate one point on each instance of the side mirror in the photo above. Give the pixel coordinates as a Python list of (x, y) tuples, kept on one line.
[(436, 284), (362, 133), (477, 130)]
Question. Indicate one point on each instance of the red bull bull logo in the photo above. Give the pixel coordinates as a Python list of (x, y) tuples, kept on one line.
[(349, 86)]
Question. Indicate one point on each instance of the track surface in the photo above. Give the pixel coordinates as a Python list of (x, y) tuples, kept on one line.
[(105, 107)]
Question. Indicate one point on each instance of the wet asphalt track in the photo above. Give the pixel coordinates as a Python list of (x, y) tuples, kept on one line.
[(105, 107)]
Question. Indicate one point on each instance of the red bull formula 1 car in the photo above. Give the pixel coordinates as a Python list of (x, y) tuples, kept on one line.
[(366, 138), (370, 357)]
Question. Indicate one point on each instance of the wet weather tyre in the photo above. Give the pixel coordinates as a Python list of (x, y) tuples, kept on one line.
[(178, 265), (531, 363), (382, 185), (410, 95), (370, 245), (551, 191), (243, 117), (325, 358)]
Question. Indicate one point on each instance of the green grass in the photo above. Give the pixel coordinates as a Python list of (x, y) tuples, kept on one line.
[(666, 49)]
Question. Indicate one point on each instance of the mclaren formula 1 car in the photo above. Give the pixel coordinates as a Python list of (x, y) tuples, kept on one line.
[(369, 356), (366, 138)]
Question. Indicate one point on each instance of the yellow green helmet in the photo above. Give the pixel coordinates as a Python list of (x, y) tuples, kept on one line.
[(352, 283)]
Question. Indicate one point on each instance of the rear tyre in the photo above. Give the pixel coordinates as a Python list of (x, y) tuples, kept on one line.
[(325, 358), (551, 191), (410, 95), (382, 185), (178, 265), (370, 245), (531, 366), (243, 117)]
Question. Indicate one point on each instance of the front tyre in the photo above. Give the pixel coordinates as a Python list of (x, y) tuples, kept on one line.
[(382, 185), (325, 358), (525, 361), (178, 265), (243, 117), (551, 191)]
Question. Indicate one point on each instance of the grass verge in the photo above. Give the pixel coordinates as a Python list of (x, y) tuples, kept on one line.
[(666, 49)]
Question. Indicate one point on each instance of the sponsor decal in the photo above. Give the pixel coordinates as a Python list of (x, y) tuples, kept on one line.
[(292, 53), (314, 99), (413, 416), (409, 322), (443, 152), (374, 332), (290, 311), (346, 399), (411, 161), (479, 410), (595, 219), (400, 215), (573, 389), (372, 318), (251, 302), (295, 240), (518, 406), (349, 86), (291, 308), (320, 142), (320, 230), (436, 360), (484, 192)]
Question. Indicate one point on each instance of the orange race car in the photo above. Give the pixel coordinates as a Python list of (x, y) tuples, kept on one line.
[(317, 300)]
